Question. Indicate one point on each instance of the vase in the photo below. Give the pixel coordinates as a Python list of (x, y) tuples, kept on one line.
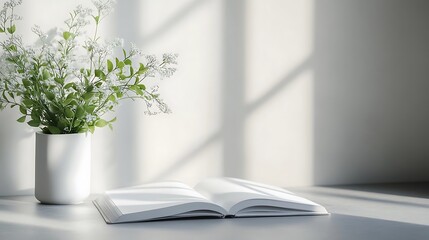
[(63, 166)]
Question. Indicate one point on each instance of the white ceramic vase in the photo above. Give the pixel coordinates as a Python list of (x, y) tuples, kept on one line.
[(63, 166)]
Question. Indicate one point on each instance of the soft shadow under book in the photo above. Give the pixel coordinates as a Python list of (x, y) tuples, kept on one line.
[(213, 197)]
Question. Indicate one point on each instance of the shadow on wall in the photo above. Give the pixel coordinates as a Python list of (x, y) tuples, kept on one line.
[(233, 87), (371, 100), (127, 160)]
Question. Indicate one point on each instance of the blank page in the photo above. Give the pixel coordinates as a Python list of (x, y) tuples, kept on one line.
[(153, 196), (227, 192)]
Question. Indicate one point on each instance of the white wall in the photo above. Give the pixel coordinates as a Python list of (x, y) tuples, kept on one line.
[(285, 92)]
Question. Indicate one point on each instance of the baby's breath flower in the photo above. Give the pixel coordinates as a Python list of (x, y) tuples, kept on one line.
[(90, 118), (135, 51), (170, 58), (12, 3), (117, 42), (104, 7), (83, 12)]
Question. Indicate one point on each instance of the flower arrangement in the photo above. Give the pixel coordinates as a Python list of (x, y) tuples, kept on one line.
[(68, 80)]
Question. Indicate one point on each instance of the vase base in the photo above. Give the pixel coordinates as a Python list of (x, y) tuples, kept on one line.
[(62, 203), (45, 201)]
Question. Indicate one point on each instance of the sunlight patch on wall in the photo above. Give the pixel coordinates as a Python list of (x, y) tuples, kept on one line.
[(279, 92), (279, 136)]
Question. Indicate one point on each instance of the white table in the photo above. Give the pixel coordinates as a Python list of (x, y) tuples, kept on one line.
[(361, 212)]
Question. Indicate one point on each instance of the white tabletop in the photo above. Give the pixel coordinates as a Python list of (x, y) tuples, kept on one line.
[(357, 212)]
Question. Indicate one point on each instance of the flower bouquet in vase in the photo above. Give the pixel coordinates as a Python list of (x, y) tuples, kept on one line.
[(64, 84)]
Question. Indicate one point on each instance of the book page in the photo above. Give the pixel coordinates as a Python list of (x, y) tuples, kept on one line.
[(153, 196), (236, 194)]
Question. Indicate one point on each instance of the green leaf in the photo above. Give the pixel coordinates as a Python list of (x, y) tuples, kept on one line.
[(11, 29), (127, 61), (59, 80), (83, 130), (89, 88), (142, 87), (54, 130), (12, 48), (35, 114), (109, 65), (67, 35), (100, 74), (27, 102), (27, 83), (80, 112), (34, 123), (68, 101), (136, 80), (21, 119), (120, 64), (23, 110), (87, 96), (77, 123), (136, 89), (97, 19), (113, 120), (50, 96), (54, 108), (90, 108), (1, 30), (4, 96), (45, 74), (142, 69), (101, 123), (131, 71), (91, 129), (68, 113), (70, 85), (112, 98), (63, 123), (122, 77), (124, 52), (139, 91), (45, 130)]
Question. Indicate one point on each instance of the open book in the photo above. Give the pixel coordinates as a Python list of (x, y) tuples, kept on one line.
[(213, 197)]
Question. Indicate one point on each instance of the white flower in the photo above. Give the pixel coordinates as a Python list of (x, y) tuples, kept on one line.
[(117, 42), (12, 3), (170, 58), (90, 118), (104, 7), (135, 51), (83, 12)]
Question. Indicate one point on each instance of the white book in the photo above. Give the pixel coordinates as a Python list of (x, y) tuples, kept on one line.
[(213, 197)]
